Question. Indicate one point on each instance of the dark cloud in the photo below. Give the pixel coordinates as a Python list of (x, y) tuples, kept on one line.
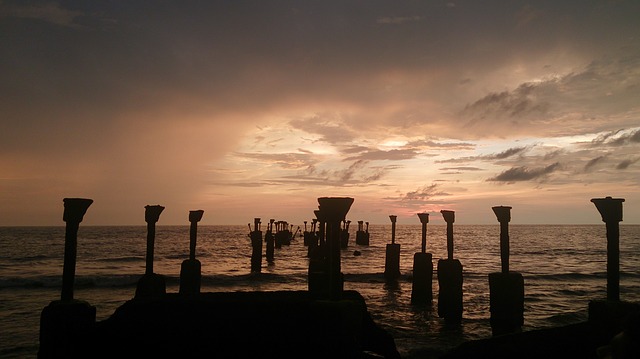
[(593, 162), (491, 157), (522, 173), (511, 105), (424, 193), (617, 138), (626, 163)]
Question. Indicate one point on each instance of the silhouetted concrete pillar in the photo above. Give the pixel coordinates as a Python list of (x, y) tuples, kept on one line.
[(318, 268), (344, 234), (63, 321), (74, 210), (506, 288), (450, 278), (191, 269), (335, 210), (611, 211), (151, 284), (256, 245), (422, 284), (392, 257), (270, 241), (612, 316), (362, 236)]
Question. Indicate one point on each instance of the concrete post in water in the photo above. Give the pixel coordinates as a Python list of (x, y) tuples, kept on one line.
[(392, 258), (344, 234), (611, 211), (63, 321), (450, 278), (335, 210), (74, 210), (422, 285), (191, 269), (612, 315), (362, 237), (270, 240), (506, 288), (256, 245), (151, 284), (317, 275)]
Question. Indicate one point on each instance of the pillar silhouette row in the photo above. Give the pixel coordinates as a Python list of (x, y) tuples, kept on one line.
[(507, 286), (65, 319)]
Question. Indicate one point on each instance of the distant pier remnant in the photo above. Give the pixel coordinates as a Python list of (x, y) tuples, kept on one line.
[(362, 235), (270, 241), (191, 269), (506, 288), (344, 234), (256, 245), (151, 284), (422, 286), (611, 211), (392, 257), (317, 274), (334, 209), (450, 278), (64, 320)]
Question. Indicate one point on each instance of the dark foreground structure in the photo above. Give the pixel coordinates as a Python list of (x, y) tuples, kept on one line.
[(279, 324)]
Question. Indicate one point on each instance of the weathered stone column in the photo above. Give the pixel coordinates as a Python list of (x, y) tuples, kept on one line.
[(362, 236), (74, 211), (450, 278), (270, 241), (611, 211), (422, 284), (151, 284), (318, 271), (506, 288), (392, 257), (63, 321), (335, 210), (256, 245), (191, 269), (612, 316)]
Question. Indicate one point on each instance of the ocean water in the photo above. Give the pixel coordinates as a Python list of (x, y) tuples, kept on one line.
[(564, 267)]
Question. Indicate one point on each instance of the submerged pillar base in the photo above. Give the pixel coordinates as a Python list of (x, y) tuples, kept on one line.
[(450, 293), (190, 276), (422, 286), (506, 299), (392, 261), (151, 285), (62, 325)]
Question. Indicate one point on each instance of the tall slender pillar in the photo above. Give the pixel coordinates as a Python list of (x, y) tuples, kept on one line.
[(422, 284), (611, 211), (256, 245), (63, 321), (506, 287), (335, 210), (450, 278), (74, 211), (270, 241), (613, 316), (191, 269), (151, 284), (392, 257)]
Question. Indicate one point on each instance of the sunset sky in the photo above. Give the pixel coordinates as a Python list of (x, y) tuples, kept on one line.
[(256, 108)]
